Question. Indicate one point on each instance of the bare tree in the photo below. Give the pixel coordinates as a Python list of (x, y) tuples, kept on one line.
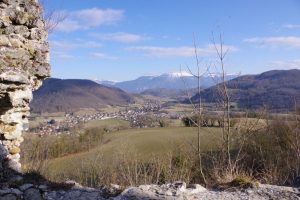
[(225, 98), (197, 106), (52, 18)]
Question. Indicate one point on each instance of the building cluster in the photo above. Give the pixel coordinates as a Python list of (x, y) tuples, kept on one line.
[(133, 115)]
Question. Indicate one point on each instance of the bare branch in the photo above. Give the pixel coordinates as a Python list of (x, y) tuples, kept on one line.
[(52, 18)]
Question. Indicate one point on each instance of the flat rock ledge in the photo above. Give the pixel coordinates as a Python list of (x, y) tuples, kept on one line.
[(176, 190)]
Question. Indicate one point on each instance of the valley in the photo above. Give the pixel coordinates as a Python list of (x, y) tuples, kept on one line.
[(92, 109), (90, 144)]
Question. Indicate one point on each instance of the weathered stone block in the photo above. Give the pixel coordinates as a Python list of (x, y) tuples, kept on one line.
[(32, 194), (22, 18), (24, 64), (6, 128), (4, 41)]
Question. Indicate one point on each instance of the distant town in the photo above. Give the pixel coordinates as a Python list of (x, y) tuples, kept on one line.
[(133, 115)]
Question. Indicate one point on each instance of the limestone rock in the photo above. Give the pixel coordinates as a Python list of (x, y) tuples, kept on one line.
[(33, 194), (177, 191), (195, 188), (4, 41), (26, 186), (9, 197), (24, 64)]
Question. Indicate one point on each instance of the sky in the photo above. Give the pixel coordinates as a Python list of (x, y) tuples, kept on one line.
[(123, 39)]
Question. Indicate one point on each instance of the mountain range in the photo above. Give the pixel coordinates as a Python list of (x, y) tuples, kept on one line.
[(67, 95), (277, 90), (169, 81)]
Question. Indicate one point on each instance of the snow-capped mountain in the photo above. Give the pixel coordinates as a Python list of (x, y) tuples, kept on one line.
[(177, 74), (105, 82), (173, 81)]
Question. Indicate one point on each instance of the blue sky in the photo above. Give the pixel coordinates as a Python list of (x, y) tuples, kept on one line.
[(124, 39)]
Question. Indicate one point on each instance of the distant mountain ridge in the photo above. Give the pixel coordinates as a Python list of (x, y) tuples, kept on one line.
[(169, 81), (67, 95), (276, 90)]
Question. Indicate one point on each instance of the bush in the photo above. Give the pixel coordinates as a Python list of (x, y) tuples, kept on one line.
[(163, 122), (273, 154), (253, 115), (48, 147), (206, 121), (239, 182)]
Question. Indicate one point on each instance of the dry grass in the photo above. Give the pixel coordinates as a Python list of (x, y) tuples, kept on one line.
[(150, 155), (108, 124), (179, 108), (263, 150)]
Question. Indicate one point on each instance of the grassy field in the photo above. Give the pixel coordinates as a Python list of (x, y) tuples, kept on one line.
[(86, 111), (108, 124), (141, 144), (184, 108), (176, 123), (110, 151)]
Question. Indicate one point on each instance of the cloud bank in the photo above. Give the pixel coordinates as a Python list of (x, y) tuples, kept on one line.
[(275, 42), (183, 51), (89, 18)]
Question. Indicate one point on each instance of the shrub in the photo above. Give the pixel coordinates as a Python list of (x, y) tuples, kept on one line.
[(163, 122), (273, 153)]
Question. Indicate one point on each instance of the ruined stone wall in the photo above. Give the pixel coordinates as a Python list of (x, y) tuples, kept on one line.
[(24, 63)]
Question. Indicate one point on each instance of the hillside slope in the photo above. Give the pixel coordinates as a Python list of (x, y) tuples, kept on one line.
[(277, 90), (58, 95)]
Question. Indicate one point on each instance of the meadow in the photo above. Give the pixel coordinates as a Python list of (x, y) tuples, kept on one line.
[(102, 152), (106, 145)]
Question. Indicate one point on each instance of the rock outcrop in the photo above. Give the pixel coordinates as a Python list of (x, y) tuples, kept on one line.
[(24, 64), (174, 191)]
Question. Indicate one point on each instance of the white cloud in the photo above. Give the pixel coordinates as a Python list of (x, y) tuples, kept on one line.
[(68, 25), (64, 49), (183, 51), (286, 64), (164, 51), (96, 17), (61, 55), (275, 42), (103, 56), (291, 26), (70, 45), (89, 18), (119, 37)]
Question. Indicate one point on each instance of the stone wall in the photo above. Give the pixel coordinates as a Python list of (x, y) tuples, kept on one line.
[(24, 64)]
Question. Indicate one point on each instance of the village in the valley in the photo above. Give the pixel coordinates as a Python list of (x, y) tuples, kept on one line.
[(134, 116)]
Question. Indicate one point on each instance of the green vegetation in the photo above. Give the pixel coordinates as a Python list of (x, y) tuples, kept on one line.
[(207, 121), (179, 108), (108, 124), (109, 151), (86, 111), (82, 138), (106, 152), (275, 152), (153, 140)]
